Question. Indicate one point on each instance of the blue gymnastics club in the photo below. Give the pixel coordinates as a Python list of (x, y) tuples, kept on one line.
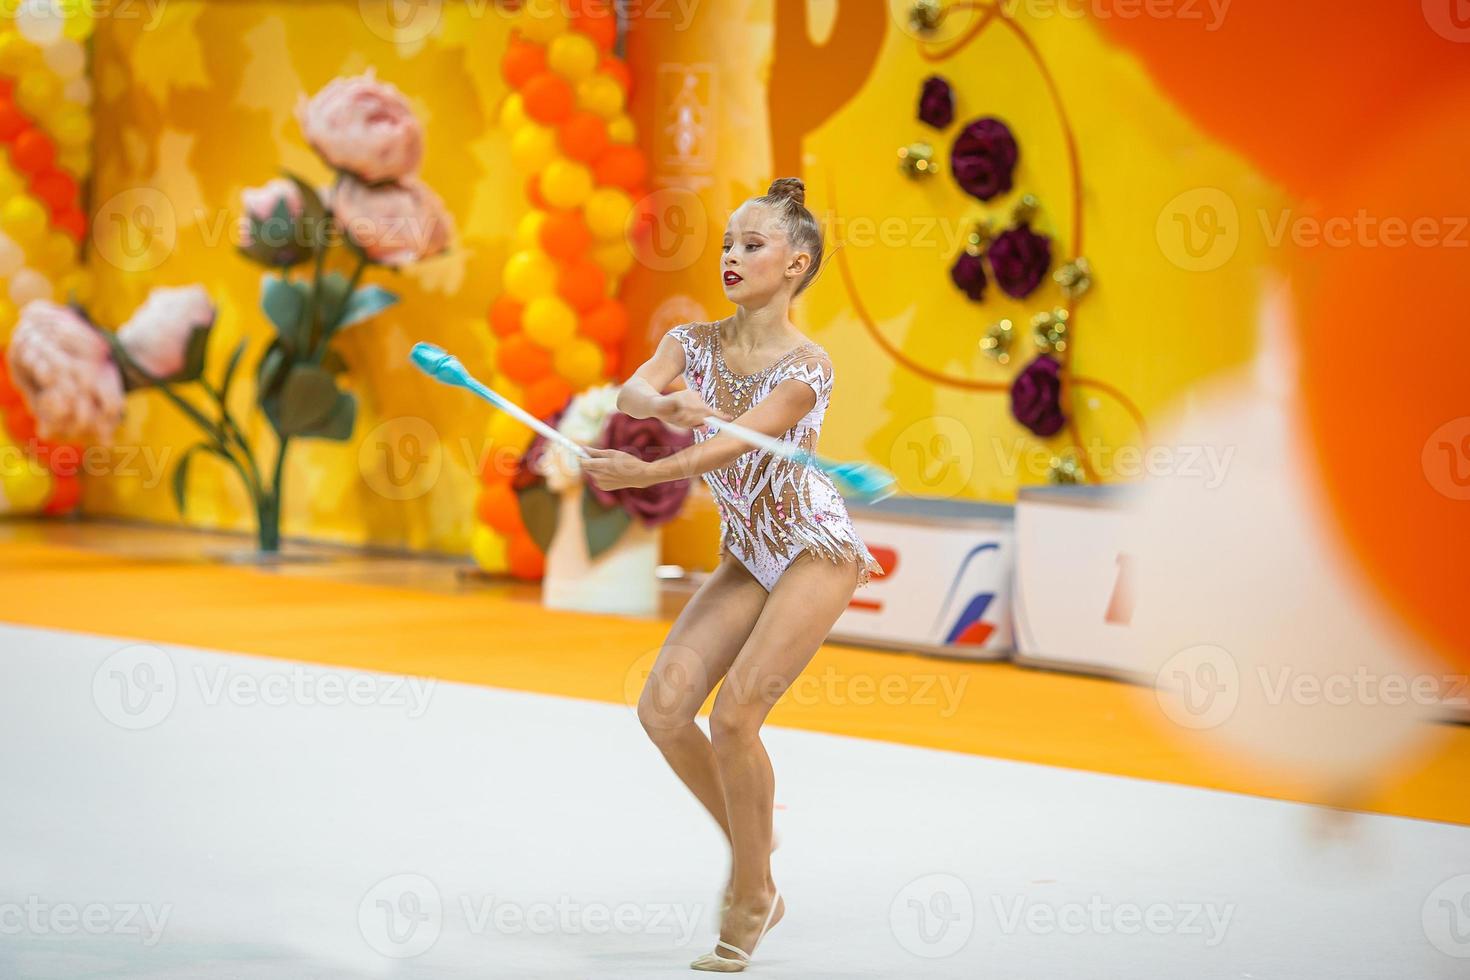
[(861, 481), (443, 366)]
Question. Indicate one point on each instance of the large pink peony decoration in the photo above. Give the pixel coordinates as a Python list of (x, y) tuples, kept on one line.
[(394, 224), (64, 370), (364, 127), (159, 334)]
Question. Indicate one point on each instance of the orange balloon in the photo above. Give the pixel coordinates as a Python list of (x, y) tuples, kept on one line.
[(583, 137), (564, 235), (525, 559), (21, 425), (499, 509), (620, 166), (505, 315), (582, 283), (548, 98), (522, 359), (522, 61), (546, 397), (618, 71), (10, 396), (72, 221), (598, 23), (66, 493), (12, 121), (56, 189), (606, 323), (612, 360), (32, 152), (1394, 437), (533, 192)]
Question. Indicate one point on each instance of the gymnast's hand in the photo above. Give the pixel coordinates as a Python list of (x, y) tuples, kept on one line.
[(613, 469), (686, 409)]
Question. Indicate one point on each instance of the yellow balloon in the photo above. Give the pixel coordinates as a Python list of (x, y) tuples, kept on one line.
[(620, 129), (572, 55), (579, 362), (59, 253), (24, 489), (72, 127), (607, 212), (565, 184), (15, 53), (23, 219), (542, 20), (513, 113), (529, 273), (528, 230), (533, 146), (9, 183), (507, 430), (549, 321), (489, 549), (37, 91), (8, 314), (601, 95), (615, 258), (505, 386)]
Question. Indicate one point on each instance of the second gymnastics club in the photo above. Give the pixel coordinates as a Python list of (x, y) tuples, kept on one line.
[(862, 480), (443, 366)]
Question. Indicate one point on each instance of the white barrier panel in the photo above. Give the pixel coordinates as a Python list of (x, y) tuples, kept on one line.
[(947, 582), (1073, 601)]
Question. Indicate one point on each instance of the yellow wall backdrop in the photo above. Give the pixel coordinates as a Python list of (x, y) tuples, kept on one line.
[(197, 105)]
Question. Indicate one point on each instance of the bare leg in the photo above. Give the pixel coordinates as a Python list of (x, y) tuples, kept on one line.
[(701, 646), (798, 615)]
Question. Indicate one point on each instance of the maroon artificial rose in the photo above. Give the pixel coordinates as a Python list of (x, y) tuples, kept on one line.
[(936, 102), (648, 439), (1036, 396), (1019, 258), (983, 158), (968, 273)]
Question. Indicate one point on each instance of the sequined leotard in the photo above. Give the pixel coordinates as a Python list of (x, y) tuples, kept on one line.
[(771, 509)]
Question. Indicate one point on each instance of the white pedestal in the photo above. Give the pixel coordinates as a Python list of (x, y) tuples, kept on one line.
[(621, 580)]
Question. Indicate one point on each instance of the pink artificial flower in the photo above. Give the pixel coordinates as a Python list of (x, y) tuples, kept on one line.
[(260, 203), (393, 224), (364, 127), (157, 336), (64, 370)]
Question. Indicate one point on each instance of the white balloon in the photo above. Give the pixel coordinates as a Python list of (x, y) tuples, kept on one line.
[(39, 21), (27, 285), (12, 256), (66, 58), (1262, 637), (78, 91)]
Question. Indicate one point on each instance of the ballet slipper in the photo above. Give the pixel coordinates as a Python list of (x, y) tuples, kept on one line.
[(713, 962)]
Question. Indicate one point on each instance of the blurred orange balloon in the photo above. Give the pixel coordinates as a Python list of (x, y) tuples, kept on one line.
[(546, 397), (620, 166), (564, 235), (12, 121), (618, 71), (72, 221), (582, 283), (583, 136), (32, 151), (1395, 437), (548, 98), (526, 560), (598, 23), (56, 189), (505, 315), (523, 60), (522, 359), (498, 508), (533, 192), (606, 323), (66, 493)]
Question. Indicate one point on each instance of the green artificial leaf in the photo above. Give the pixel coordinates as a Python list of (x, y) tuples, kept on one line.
[(603, 525), (539, 512), (308, 398), (337, 426), (181, 471), (333, 295), (365, 302), (230, 366), (194, 355), (271, 370), (284, 303)]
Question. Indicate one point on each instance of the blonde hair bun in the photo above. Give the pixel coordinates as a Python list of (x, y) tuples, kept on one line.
[(793, 188)]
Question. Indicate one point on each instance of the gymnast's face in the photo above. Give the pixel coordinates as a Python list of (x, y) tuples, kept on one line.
[(758, 261)]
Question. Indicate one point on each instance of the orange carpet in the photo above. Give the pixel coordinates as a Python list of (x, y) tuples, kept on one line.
[(996, 710)]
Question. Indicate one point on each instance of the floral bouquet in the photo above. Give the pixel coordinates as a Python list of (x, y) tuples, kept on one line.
[(75, 375), (546, 470)]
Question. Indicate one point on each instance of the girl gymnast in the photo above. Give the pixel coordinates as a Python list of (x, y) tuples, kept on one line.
[(790, 558)]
